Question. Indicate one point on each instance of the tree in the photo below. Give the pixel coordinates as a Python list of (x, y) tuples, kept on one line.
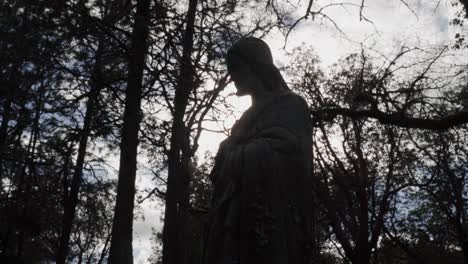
[(198, 52), (80, 78), (96, 84), (28, 78), (439, 201), (121, 250), (360, 179)]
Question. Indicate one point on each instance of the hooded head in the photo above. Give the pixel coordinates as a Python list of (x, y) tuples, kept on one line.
[(250, 65)]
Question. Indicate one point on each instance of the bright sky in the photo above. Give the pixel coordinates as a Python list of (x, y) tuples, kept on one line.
[(393, 25)]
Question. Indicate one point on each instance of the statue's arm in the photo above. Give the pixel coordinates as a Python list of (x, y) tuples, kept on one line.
[(225, 147), (277, 138)]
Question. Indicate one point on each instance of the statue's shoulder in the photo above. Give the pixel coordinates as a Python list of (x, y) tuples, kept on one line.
[(293, 98), (295, 108)]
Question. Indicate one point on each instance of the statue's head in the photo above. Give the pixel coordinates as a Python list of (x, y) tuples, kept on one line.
[(250, 65)]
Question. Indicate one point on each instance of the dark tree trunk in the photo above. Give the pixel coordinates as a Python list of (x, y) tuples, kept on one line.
[(463, 241), (27, 177), (3, 133), (122, 225), (459, 219), (175, 249), (465, 250), (363, 248), (71, 200)]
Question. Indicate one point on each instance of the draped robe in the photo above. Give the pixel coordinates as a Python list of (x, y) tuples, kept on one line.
[(261, 203)]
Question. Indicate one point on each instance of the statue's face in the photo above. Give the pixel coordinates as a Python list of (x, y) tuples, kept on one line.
[(244, 79)]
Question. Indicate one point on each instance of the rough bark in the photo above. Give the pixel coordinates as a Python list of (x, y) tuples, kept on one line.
[(175, 234), (121, 241)]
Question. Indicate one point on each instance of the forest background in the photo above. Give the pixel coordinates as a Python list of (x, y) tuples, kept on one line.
[(111, 112)]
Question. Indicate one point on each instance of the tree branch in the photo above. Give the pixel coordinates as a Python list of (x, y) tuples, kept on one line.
[(397, 119)]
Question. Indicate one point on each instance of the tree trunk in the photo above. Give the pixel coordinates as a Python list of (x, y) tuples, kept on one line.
[(71, 200), (175, 226), (363, 248), (122, 225), (464, 247), (27, 176), (3, 134), (460, 233), (459, 216)]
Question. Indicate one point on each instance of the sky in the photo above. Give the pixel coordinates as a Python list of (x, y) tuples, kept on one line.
[(392, 25)]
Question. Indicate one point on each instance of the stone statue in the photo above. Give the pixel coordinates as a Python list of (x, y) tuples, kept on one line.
[(262, 174)]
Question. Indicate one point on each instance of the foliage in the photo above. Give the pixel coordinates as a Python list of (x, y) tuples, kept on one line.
[(390, 133)]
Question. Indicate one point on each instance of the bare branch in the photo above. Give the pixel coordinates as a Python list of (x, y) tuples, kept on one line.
[(410, 8), (397, 119)]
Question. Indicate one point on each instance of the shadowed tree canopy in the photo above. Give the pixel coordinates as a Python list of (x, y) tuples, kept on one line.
[(111, 113)]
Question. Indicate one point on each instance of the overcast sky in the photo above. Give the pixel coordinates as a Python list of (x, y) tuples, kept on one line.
[(392, 25)]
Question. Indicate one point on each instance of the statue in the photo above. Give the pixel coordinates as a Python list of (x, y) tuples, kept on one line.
[(262, 174)]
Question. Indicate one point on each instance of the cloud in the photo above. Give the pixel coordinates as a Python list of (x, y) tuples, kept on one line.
[(390, 25)]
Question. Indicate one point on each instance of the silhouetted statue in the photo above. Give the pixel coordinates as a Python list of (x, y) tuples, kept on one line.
[(261, 207)]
